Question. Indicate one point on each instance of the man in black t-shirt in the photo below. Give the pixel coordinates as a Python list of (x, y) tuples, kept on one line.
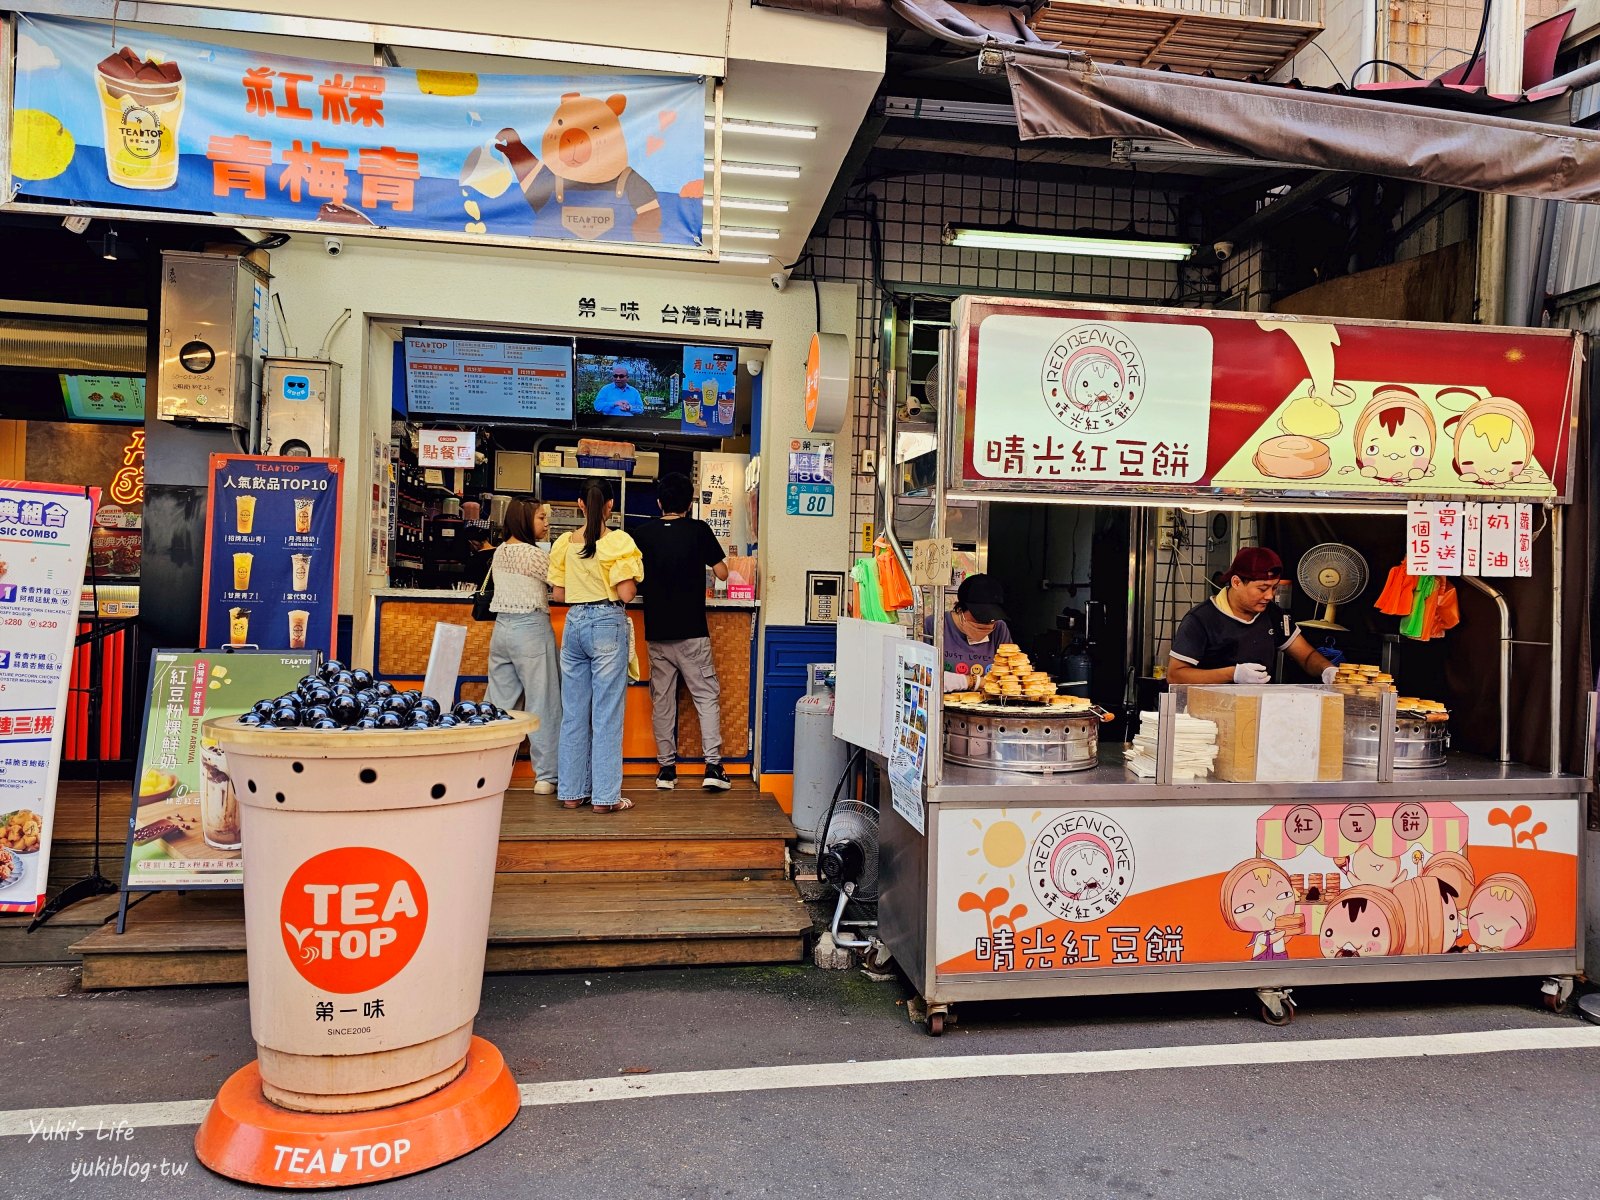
[(677, 549), (1235, 636)]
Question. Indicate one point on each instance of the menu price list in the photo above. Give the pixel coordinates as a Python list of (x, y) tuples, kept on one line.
[(513, 380)]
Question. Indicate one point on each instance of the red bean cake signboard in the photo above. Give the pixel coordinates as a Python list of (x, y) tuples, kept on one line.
[(1150, 401)]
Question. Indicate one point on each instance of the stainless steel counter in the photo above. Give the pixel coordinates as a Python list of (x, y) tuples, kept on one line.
[(1112, 782)]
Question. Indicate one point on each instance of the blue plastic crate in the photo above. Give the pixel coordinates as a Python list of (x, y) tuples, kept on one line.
[(625, 465)]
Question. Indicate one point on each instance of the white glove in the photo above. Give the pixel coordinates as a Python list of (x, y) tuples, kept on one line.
[(1251, 673), (1329, 675)]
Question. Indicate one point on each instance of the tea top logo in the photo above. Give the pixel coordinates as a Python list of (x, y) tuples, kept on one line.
[(1093, 378), (353, 918), (1081, 866)]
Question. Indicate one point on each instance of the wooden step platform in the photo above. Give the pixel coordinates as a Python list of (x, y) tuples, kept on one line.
[(684, 878)]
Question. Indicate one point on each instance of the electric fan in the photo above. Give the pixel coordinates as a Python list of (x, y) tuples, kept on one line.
[(847, 858), (1331, 574)]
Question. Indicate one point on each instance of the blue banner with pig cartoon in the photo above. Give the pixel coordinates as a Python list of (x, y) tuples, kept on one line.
[(154, 121)]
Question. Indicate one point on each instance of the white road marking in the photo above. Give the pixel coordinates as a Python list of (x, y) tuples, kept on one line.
[(26, 1122)]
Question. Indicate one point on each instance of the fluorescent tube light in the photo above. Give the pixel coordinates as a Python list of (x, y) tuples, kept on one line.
[(777, 129), (752, 204), (750, 232), (769, 170), (1090, 245), (739, 256)]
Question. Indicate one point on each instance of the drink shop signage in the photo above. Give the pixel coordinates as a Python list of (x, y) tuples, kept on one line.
[(272, 553), (44, 544), (1144, 401), (159, 122)]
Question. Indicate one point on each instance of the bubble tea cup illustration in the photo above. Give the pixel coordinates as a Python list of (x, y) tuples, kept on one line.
[(141, 101), (302, 515), (238, 627), (219, 806), (302, 572), (298, 617), (244, 513), (241, 571)]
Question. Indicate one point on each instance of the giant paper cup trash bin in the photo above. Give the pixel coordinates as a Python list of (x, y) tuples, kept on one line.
[(369, 871)]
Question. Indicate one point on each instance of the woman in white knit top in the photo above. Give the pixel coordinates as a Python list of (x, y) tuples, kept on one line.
[(523, 661)]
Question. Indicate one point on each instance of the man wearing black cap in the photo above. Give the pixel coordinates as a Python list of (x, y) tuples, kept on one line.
[(973, 630), (1235, 636)]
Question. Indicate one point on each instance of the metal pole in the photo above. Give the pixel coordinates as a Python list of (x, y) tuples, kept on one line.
[(1555, 639), (1505, 661)]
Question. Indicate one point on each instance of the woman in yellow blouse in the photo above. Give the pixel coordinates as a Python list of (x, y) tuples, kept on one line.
[(595, 572)]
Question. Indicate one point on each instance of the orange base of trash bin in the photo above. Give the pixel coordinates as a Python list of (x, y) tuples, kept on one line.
[(246, 1137)]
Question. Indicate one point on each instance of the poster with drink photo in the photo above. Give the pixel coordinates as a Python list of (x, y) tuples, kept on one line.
[(115, 114), (184, 830), (272, 553)]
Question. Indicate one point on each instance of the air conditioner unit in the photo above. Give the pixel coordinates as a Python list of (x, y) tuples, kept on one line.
[(213, 332), (300, 408)]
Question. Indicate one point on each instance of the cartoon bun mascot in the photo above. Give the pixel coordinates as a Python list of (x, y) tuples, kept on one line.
[(582, 165)]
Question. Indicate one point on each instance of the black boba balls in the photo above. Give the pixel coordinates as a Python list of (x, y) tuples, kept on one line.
[(465, 710), (320, 695), (363, 678), (345, 677), (252, 719), (263, 708), (366, 723), (383, 688), (476, 721), (391, 720), (396, 704), (449, 721), (286, 717), (315, 712), (344, 709), (325, 723), (331, 668), (428, 705)]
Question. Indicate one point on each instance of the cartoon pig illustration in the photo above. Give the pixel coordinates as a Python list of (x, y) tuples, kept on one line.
[(582, 165)]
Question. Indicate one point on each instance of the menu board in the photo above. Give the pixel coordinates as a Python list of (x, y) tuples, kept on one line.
[(103, 397), (184, 830), (44, 543), (472, 377), (272, 553)]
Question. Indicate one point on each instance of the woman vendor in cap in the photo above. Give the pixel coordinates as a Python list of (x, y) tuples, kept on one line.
[(973, 630), (1235, 636)]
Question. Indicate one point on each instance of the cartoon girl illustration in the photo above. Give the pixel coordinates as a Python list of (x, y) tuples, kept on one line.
[(1395, 436), (1081, 867), (1456, 878), (1501, 914), (1364, 922), (1256, 899), (1433, 920), (1493, 442), (1366, 865), (1094, 379)]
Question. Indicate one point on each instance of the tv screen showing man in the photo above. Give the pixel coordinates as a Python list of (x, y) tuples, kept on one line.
[(619, 398)]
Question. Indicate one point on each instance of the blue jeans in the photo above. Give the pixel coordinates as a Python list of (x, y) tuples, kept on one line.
[(523, 666), (594, 680)]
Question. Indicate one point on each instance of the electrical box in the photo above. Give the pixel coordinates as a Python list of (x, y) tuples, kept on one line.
[(213, 333), (513, 470), (300, 408)]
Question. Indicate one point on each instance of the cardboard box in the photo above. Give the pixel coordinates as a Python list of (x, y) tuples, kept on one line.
[(647, 465), (1269, 733)]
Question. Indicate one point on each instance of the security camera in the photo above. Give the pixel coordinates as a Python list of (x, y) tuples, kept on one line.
[(1223, 250), (779, 280), (754, 366), (334, 246)]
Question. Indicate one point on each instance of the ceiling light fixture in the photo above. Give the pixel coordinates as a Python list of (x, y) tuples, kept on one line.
[(739, 256), (750, 232), (777, 129), (1089, 243), (108, 245), (752, 204), (768, 170)]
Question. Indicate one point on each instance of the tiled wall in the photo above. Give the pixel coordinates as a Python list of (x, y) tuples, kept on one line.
[(1429, 36), (911, 213)]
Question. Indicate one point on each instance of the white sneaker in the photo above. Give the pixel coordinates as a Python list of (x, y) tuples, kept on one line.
[(544, 787)]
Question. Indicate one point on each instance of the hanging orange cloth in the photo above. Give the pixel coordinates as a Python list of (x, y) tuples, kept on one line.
[(1399, 593), (1443, 611)]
